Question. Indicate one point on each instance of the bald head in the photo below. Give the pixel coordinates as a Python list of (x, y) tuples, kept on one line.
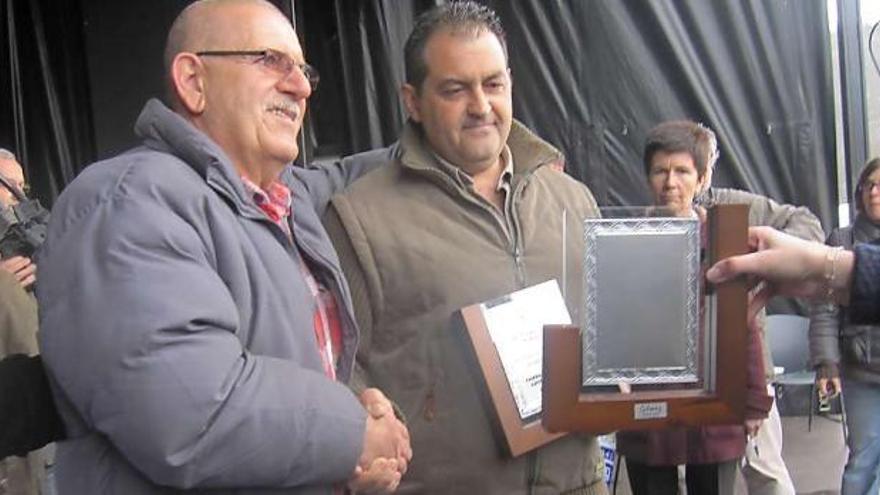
[(12, 172), (207, 25), (249, 103)]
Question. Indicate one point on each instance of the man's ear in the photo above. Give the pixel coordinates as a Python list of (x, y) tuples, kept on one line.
[(411, 101), (188, 82)]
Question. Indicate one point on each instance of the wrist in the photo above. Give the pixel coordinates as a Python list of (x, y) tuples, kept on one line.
[(844, 282), (827, 370), (837, 271)]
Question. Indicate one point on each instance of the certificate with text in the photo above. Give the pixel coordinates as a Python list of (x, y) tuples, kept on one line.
[(515, 323)]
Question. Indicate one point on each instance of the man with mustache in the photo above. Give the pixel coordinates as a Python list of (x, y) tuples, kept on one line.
[(196, 326), (469, 208)]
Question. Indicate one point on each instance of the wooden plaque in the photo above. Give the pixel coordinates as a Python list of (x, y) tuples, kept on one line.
[(518, 436), (569, 406)]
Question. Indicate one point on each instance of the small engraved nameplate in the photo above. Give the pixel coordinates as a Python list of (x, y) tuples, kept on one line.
[(649, 410)]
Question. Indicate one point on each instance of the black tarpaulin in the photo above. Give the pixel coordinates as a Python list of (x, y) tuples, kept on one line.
[(44, 97), (592, 76)]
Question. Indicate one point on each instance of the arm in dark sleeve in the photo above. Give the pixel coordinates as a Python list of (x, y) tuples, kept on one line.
[(825, 325), (28, 418), (326, 180)]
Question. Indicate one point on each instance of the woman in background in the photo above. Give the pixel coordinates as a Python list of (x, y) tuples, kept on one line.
[(840, 348), (678, 159)]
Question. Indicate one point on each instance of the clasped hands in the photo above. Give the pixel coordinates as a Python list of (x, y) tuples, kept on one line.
[(386, 451)]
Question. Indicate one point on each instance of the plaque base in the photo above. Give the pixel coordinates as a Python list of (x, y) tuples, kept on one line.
[(568, 407)]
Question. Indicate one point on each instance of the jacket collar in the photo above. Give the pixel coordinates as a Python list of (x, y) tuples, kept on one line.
[(164, 130), (864, 230), (527, 150)]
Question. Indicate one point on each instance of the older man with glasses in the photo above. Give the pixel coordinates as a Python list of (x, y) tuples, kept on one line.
[(196, 325)]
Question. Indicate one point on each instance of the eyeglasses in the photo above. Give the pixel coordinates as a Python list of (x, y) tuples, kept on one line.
[(869, 185), (271, 59), (24, 187)]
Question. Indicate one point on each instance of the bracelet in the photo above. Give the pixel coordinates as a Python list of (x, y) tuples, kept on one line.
[(831, 257)]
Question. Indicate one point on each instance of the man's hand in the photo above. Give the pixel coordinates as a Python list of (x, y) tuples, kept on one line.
[(828, 388), (752, 426), (385, 435), (375, 402), (24, 270), (382, 476)]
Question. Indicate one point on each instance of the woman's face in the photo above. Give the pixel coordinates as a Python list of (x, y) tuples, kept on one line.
[(871, 196), (674, 181)]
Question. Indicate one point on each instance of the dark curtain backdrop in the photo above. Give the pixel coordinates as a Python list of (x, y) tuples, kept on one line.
[(45, 113), (592, 76), (358, 48)]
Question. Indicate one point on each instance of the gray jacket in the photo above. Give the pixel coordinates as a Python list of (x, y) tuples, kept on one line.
[(833, 339), (798, 221), (177, 328), (763, 211)]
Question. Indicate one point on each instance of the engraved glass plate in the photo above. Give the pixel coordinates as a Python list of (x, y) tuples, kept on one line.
[(641, 321)]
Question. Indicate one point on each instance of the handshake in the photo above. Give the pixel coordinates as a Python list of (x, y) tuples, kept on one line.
[(386, 450)]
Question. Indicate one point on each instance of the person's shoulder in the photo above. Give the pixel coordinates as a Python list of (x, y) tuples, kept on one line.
[(385, 174), (561, 181), (140, 174), (729, 195), (376, 158), (133, 169), (570, 192)]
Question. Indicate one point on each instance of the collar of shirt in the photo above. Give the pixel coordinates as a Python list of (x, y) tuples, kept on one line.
[(275, 201), (465, 178)]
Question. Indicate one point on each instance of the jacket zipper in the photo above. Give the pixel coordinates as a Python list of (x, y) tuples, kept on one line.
[(532, 469), (343, 302), (519, 269), (511, 230), (516, 231)]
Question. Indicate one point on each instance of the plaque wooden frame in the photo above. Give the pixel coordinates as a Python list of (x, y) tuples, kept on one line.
[(518, 436), (567, 408)]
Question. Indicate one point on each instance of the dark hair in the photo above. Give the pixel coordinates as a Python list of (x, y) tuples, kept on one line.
[(460, 17), (677, 136), (866, 172)]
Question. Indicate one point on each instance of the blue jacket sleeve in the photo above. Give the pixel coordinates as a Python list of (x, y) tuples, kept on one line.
[(865, 296)]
